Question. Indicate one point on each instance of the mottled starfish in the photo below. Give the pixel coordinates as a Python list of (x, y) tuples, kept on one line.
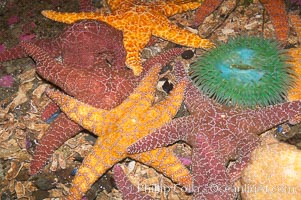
[(81, 44), (295, 53), (102, 86), (217, 135), (279, 18), (139, 21), (128, 190), (207, 7), (84, 45), (118, 128)]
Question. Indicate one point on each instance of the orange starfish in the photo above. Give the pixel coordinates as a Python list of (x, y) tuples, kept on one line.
[(118, 128), (279, 18), (295, 53), (139, 21)]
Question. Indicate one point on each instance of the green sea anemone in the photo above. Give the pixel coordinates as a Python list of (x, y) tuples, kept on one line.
[(245, 71)]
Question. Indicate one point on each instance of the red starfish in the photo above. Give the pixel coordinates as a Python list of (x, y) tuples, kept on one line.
[(83, 45), (217, 135), (80, 43), (103, 87), (205, 9), (128, 190), (279, 18)]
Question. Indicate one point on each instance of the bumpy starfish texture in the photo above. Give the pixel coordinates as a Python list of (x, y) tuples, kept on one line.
[(118, 128), (295, 92), (102, 86), (85, 44), (81, 44), (207, 7), (84, 66), (86, 6), (139, 21), (278, 15), (217, 135), (128, 190)]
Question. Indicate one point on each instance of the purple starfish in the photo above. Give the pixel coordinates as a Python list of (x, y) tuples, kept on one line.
[(217, 135), (128, 190)]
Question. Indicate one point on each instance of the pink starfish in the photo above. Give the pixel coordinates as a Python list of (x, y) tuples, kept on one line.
[(217, 135)]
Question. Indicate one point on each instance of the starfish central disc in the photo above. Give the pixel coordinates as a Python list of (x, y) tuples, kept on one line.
[(118, 128)]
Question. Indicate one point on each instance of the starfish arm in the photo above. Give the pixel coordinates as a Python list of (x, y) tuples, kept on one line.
[(140, 38), (295, 92), (70, 18), (263, 119), (47, 67), (49, 110), (163, 160), (51, 46), (16, 52), (168, 134), (279, 18), (146, 88), (142, 96), (59, 132), (195, 101), (128, 190), (13, 53), (117, 4), (171, 32), (246, 143), (206, 8), (174, 7), (86, 6), (210, 180), (295, 53), (87, 116), (106, 152)]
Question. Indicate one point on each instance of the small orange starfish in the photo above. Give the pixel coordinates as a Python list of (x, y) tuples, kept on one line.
[(139, 21), (118, 128), (295, 53)]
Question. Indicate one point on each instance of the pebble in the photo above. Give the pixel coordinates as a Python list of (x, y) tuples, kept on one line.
[(187, 54)]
